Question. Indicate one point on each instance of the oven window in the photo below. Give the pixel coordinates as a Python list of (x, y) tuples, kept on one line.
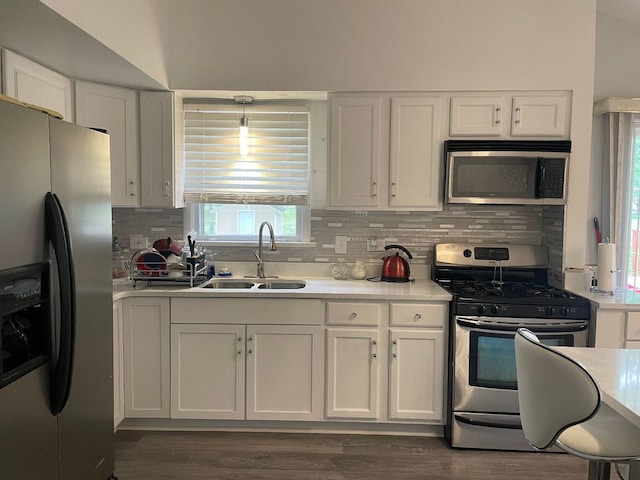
[(492, 358)]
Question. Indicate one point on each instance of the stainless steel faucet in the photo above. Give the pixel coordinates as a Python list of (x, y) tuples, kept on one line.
[(272, 247)]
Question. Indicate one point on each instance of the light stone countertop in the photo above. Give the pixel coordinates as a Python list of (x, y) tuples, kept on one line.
[(620, 300), (316, 287)]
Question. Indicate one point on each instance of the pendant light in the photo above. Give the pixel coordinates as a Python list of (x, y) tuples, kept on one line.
[(244, 124)]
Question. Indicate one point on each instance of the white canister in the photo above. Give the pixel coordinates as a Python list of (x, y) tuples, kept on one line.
[(359, 272)]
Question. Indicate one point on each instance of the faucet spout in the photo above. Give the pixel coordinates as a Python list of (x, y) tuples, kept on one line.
[(272, 246)]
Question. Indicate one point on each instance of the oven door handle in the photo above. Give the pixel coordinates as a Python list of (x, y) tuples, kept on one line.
[(574, 326), (486, 423)]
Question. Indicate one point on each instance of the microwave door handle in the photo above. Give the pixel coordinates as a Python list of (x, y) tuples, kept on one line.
[(541, 178), (58, 234)]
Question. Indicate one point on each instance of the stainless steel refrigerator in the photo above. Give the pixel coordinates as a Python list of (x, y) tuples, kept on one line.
[(56, 417)]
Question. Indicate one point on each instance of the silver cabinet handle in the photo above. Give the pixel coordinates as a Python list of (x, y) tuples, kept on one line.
[(498, 115), (374, 189), (167, 189), (374, 348), (517, 122), (394, 343), (393, 189)]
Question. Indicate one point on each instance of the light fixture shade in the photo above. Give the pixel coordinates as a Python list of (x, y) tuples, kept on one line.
[(244, 135)]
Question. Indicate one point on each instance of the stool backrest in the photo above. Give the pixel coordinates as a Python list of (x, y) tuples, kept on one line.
[(554, 392)]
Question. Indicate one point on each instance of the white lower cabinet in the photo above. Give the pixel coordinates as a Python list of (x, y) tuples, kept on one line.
[(207, 368), (352, 373), (388, 373), (118, 367), (284, 372), (237, 370), (416, 379), (146, 357)]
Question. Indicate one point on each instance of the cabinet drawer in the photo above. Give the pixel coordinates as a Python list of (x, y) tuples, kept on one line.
[(418, 314), (633, 326), (353, 314), (263, 311)]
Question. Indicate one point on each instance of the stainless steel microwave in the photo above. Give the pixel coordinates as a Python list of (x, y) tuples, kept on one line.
[(507, 171)]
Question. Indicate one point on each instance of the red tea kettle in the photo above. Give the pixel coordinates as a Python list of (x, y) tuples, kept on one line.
[(395, 268)]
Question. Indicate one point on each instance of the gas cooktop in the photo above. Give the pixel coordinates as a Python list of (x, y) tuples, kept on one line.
[(484, 290)]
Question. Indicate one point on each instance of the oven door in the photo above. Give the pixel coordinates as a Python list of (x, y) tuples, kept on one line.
[(484, 360)]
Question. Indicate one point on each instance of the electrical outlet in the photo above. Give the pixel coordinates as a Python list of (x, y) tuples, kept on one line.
[(341, 244), (138, 241), (375, 245)]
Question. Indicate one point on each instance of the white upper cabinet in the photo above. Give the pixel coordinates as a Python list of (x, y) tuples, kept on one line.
[(32, 83), (115, 110), (504, 115), (415, 152), (476, 116), (161, 174), (384, 151), (355, 150), (534, 115)]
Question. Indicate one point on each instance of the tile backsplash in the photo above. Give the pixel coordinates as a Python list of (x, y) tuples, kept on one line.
[(417, 231)]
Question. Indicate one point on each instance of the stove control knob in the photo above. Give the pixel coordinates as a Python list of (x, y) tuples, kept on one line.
[(564, 311), (494, 309), (481, 309), (548, 310), (467, 253)]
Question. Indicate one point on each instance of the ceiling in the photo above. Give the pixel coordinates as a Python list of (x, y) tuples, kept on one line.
[(628, 10)]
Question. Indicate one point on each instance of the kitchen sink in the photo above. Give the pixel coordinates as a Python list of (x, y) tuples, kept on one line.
[(262, 284), (282, 284), (227, 283)]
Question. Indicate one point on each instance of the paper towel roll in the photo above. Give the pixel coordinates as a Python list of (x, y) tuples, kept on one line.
[(606, 267)]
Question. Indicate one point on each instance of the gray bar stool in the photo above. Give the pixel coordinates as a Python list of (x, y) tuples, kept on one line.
[(560, 404)]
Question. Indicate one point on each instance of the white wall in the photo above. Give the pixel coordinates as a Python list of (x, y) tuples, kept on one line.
[(136, 30)]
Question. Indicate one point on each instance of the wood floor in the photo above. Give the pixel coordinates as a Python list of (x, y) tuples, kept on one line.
[(270, 456)]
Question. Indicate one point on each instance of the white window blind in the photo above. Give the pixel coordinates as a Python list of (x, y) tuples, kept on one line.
[(276, 169)]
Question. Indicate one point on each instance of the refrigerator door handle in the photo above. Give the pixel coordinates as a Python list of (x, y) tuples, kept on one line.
[(58, 235)]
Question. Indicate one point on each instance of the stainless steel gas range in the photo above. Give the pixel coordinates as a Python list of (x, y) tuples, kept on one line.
[(497, 289)]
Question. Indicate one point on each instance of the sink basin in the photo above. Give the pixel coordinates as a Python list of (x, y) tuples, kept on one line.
[(228, 283), (282, 284)]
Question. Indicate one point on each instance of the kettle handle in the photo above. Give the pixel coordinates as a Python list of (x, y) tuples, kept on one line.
[(399, 247)]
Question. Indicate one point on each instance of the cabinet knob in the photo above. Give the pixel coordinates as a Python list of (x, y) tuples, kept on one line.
[(417, 316), (353, 316)]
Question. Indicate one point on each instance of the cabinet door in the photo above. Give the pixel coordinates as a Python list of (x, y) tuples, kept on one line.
[(159, 182), (355, 151), (352, 373), (30, 82), (476, 115), (146, 357), (207, 371), (416, 376), (116, 111), (284, 372), (534, 115), (415, 152), (118, 367)]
